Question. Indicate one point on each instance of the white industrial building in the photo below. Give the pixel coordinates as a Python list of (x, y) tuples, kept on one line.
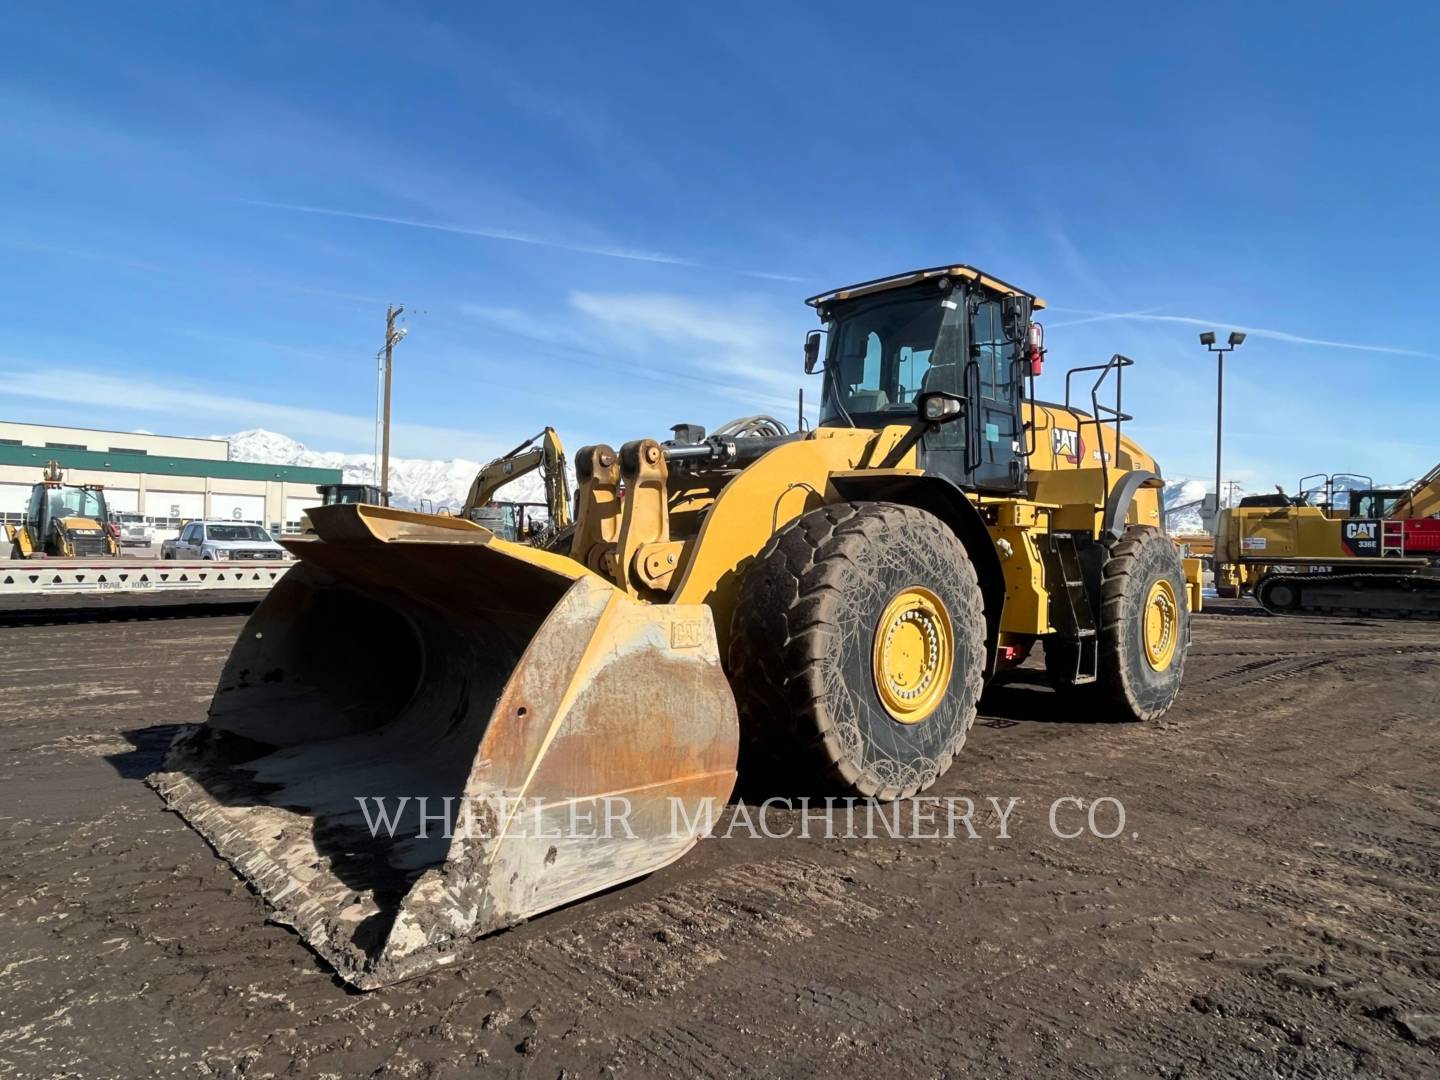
[(168, 479)]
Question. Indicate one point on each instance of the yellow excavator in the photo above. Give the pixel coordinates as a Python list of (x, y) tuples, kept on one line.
[(63, 521), (515, 520), (1340, 546), (427, 733)]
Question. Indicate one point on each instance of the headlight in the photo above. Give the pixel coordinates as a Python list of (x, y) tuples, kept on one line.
[(220, 553)]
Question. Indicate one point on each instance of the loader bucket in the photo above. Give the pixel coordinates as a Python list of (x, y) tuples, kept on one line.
[(425, 734)]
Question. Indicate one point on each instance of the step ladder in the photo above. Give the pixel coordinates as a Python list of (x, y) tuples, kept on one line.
[(1070, 611), (1392, 538)]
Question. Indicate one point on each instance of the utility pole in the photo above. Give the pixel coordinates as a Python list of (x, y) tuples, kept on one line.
[(392, 336)]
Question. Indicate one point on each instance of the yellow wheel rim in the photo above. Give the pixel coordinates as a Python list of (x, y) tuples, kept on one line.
[(914, 654), (1161, 624)]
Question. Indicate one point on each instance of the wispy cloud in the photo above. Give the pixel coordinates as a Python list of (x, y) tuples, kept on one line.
[(742, 353), (183, 407), (1103, 317), (608, 251), (1148, 315), (529, 326), (83, 254)]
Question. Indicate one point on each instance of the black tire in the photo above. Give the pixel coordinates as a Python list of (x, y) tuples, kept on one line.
[(1127, 686), (803, 642)]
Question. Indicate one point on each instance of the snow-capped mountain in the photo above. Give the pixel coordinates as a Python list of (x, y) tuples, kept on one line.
[(415, 483), (1182, 500)]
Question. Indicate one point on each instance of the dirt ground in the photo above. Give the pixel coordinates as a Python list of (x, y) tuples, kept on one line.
[(1271, 907)]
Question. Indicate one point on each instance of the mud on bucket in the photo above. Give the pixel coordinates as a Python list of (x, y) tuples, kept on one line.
[(425, 734)]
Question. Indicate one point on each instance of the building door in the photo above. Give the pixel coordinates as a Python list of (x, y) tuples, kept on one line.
[(181, 505), (237, 507)]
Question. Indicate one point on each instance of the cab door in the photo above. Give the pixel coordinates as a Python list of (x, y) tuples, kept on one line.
[(37, 515), (996, 459)]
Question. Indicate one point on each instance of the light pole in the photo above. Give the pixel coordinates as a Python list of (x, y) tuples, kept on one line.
[(1208, 340), (392, 338)]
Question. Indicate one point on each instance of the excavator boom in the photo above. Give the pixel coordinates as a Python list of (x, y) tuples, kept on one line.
[(1423, 499), (549, 456)]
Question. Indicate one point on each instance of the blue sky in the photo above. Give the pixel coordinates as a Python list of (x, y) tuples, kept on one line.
[(605, 217)]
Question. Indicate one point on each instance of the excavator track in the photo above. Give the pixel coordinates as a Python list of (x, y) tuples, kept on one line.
[(1373, 594)]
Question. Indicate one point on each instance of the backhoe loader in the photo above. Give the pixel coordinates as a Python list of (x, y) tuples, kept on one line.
[(824, 606), (63, 521)]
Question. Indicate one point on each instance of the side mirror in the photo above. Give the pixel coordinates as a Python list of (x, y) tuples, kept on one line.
[(812, 351), (939, 407), (1015, 315)]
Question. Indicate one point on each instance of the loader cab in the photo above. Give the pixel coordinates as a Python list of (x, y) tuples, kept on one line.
[(334, 494), (66, 501), (951, 329), (68, 519)]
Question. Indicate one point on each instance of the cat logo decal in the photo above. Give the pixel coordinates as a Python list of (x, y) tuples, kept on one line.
[(1068, 444)]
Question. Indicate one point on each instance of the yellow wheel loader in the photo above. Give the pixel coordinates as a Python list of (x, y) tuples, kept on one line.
[(540, 726), (63, 521)]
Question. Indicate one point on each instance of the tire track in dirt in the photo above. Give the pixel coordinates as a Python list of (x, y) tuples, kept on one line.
[(1274, 916)]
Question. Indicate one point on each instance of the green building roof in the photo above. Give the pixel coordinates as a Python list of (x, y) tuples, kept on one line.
[(164, 465)]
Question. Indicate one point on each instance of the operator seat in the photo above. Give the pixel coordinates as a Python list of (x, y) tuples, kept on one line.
[(852, 371)]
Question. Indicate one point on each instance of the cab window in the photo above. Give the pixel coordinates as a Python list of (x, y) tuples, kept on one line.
[(880, 358), (990, 349), (914, 365), (1375, 505)]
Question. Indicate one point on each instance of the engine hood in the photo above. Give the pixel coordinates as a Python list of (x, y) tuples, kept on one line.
[(78, 524)]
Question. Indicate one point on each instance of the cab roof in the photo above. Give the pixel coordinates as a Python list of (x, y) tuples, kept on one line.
[(899, 281)]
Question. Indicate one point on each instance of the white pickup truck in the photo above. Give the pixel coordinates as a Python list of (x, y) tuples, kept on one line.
[(230, 540)]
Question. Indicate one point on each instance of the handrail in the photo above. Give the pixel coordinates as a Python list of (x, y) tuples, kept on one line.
[(1101, 414)]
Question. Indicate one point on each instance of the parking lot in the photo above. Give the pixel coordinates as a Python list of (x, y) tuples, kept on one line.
[(1268, 909)]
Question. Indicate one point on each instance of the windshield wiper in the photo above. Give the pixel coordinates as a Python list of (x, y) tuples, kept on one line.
[(831, 382)]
